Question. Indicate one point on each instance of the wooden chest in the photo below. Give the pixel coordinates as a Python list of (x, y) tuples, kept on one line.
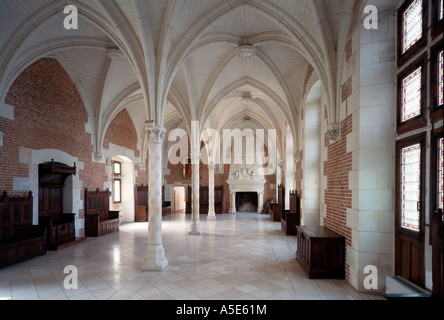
[(321, 252)]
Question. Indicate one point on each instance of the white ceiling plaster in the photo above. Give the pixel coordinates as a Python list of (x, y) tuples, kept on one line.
[(149, 33)]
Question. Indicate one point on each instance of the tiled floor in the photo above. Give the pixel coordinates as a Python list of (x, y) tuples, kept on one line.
[(243, 256)]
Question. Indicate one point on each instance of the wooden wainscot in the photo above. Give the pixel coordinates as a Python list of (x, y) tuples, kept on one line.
[(99, 220), (292, 217), (141, 203), (204, 204), (321, 252), (60, 225), (19, 238)]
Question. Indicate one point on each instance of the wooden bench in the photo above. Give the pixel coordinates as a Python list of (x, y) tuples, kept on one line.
[(291, 218), (321, 252), (99, 220), (60, 225), (19, 238)]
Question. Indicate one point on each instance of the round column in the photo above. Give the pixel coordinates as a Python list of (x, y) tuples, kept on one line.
[(211, 212), (155, 255), (195, 228)]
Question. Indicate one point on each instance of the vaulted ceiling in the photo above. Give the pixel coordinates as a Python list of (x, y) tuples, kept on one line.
[(224, 63)]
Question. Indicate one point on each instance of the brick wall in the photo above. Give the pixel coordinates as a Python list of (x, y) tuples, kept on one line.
[(49, 114), (338, 196), (122, 133)]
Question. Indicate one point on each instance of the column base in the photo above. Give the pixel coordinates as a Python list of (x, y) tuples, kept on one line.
[(211, 216), (155, 259), (195, 229), (232, 211)]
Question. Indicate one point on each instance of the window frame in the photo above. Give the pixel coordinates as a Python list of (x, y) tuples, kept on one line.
[(436, 110), (437, 25), (420, 120), (120, 167), (401, 144), (421, 43), (115, 191), (117, 177), (436, 135)]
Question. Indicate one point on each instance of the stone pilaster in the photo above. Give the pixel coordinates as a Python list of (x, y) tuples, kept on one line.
[(232, 202), (155, 255)]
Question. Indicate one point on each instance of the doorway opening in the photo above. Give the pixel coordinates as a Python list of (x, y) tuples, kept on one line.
[(179, 200)]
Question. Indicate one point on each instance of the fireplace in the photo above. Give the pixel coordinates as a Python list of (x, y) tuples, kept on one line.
[(246, 201), (246, 188)]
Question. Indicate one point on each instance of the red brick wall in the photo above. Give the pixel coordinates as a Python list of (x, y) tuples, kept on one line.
[(338, 196), (49, 114), (121, 132), (346, 90)]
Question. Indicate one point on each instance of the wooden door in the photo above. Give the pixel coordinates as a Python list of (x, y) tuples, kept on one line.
[(50, 201), (437, 217), (218, 199), (409, 208)]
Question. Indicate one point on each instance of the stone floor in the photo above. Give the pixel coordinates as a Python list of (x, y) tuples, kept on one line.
[(237, 257)]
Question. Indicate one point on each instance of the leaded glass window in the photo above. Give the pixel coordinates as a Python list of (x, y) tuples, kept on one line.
[(411, 95), (441, 10), (440, 173), (440, 78), (412, 20), (411, 186)]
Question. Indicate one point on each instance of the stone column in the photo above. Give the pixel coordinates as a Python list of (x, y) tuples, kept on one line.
[(195, 214), (232, 202), (260, 201), (211, 212), (155, 255)]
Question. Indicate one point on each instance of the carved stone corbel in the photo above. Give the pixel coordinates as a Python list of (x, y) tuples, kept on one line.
[(98, 157), (333, 132)]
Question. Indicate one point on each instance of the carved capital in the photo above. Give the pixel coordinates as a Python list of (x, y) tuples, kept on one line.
[(142, 166), (333, 132), (154, 132)]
